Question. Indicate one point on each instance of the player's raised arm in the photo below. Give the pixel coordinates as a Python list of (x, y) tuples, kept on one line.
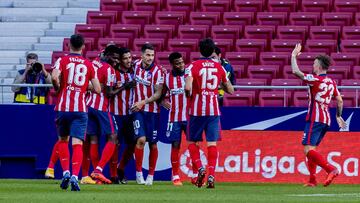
[(295, 68)]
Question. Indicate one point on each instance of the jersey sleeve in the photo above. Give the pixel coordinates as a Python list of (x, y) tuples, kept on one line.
[(223, 74), (188, 71), (336, 90), (159, 78), (110, 79), (310, 79), (92, 71), (58, 64)]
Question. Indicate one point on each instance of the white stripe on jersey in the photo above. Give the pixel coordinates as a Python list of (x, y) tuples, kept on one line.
[(212, 105), (101, 104), (83, 101), (184, 110), (76, 105), (67, 103), (317, 112), (176, 101), (203, 107), (324, 113), (93, 100), (116, 103), (195, 110)]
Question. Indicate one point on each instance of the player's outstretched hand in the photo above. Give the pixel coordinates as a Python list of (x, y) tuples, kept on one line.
[(297, 50), (341, 122)]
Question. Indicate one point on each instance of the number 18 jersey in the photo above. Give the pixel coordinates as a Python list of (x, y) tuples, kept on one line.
[(76, 72), (207, 76), (322, 89)]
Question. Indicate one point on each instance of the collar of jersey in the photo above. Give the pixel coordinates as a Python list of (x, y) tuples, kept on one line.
[(149, 68), (74, 54), (322, 75)]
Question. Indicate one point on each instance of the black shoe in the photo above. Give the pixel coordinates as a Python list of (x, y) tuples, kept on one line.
[(211, 182), (114, 180), (121, 175), (200, 178)]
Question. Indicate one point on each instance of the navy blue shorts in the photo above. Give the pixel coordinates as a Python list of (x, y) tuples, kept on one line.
[(125, 128), (174, 130), (146, 124), (101, 123), (198, 124), (71, 124), (314, 132)]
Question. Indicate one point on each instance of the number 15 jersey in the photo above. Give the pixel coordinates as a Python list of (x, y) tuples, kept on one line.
[(76, 72), (207, 76), (321, 90)]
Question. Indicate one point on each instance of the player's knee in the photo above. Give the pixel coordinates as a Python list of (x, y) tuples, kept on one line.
[(66, 139), (93, 139), (113, 138), (141, 141), (152, 145)]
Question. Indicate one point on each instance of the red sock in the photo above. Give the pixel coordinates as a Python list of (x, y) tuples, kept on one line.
[(212, 158), (94, 154), (319, 160), (312, 170), (77, 157), (126, 156), (54, 155), (139, 155), (152, 159), (106, 155), (195, 155), (64, 155), (85, 166), (114, 162), (175, 161)]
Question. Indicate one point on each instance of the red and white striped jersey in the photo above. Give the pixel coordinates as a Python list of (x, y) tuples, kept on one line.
[(322, 89), (175, 84), (207, 76), (121, 103), (146, 79), (76, 72), (106, 75)]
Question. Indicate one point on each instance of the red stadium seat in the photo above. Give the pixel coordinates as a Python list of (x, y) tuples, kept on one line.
[(158, 44), (170, 17), (348, 97), (90, 30), (194, 56), (271, 18), (345, 59), (274, 99), (240, 98), (267, 72), (350, 32), (162, 58), (356, 72), (251, 82), (283, 45), (350, 82), (241, 58), (326, 46), (350, 46), (259, 32), (225, 45), (357, 19), (307, 58), (146, 5), (204, 18), (239, 71), (92, 55), (193, 31), (324, 32), (301, 99), (282, 6), (275, 58), (159, 31), (121, 42), (102, 17), (184, 45), (347, 6), (315, 6), (56, 54), (286, 82), (339, 19), (136, 17), (304, 18), (249, 5), (136, 55), (226, 32), (292, 32), (180, 5), (251, 45), (338, 72), (130, 31), (238, 18), (287, 71), (114, 5), (89, 45), (215, 5)]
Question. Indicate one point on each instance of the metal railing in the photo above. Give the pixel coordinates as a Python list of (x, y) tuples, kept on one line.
[(284, 88)]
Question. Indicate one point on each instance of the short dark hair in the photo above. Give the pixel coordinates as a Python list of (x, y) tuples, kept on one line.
[(146, 46), (111, 49), (206, 47), (217, 50), (31, 56), (77, 41), (325, 61), (173, 56), (122, 51)]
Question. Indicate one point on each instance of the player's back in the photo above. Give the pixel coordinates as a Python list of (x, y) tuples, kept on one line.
[(76, 71), (207, 76)]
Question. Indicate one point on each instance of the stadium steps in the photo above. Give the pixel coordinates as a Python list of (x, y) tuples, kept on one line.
[(37, 26)]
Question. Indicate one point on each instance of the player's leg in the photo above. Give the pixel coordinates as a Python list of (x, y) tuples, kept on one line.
[(140, 137), (93, 132), (151, 136), (113, 165), (49, 173), (86, 179), (212, 132), (108, 127), (173, 133)]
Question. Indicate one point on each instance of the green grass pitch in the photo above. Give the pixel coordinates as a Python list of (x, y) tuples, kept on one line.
[(37, 191)]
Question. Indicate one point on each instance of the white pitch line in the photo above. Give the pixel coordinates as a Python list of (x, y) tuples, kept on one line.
[(326, 195)]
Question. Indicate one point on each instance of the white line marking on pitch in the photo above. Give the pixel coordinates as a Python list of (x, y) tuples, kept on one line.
[(326, 195)]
